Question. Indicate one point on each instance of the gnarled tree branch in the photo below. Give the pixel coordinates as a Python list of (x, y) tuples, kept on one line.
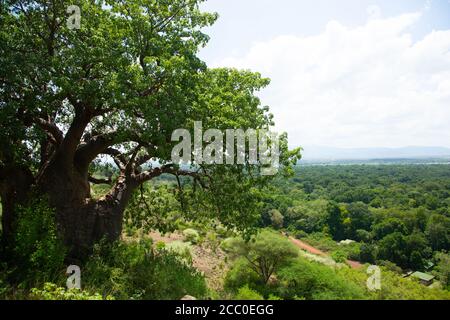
[(99, 181), (51, 129)]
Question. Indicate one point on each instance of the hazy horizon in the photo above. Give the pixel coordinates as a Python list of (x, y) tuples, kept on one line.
[(407, 152)]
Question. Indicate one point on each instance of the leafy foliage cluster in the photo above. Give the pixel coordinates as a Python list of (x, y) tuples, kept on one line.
[(136, 271), (52, 292), (39, 252)]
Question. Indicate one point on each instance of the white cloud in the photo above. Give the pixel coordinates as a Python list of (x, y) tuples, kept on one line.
[(370, 85), (374, 12)]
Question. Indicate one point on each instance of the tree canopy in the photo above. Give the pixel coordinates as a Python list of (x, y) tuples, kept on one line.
[(116, 88), (266, 253)]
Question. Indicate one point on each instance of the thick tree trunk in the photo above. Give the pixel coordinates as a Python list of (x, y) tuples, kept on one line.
[(81, 220), (83, 226)]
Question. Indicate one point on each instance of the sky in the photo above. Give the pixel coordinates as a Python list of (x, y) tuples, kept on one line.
[(344, 73)]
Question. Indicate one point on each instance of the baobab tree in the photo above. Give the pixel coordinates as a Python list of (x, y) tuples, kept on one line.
[(115, 87)]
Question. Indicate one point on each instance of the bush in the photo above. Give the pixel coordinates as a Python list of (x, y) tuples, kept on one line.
[(350, 251), (368, 253), (276, 218), (353, 251), (223, 232), (213, 241), (240, 275), (160, 245), (313, 281), (339, 256), (227, 245), (134, 271), (300, 234), (390, 266), (52, 292), (181, 249), (39, 252), (245, 293), (191, 236)]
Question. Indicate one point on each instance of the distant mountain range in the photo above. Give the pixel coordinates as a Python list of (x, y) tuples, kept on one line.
[(313, 153)]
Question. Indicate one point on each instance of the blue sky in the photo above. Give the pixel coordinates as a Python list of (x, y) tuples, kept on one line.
[(345, 73)]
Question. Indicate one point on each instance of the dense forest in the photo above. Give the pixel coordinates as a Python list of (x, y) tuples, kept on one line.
[(397, 213)]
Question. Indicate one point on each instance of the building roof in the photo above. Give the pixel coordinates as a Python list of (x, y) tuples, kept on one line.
[(423, 276)]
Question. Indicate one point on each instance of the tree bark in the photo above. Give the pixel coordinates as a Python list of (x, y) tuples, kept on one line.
[(15, 184), (81, 220)]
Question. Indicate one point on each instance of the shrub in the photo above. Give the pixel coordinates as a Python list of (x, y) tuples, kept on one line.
[(276, 219), (300, 234), (245, 293), (313, 281), (213, 241), (390, 266), (353, 251), (191, 235), (339, 256), (160, 245), (181, 249), (134, 271), (40, 253), (240, 275), (227, 244), (222, 231), (130, 230), (368, 253), (52, 292)]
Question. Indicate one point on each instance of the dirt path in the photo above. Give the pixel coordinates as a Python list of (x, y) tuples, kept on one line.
[(304, 246), (307, 247), (354, 264)]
